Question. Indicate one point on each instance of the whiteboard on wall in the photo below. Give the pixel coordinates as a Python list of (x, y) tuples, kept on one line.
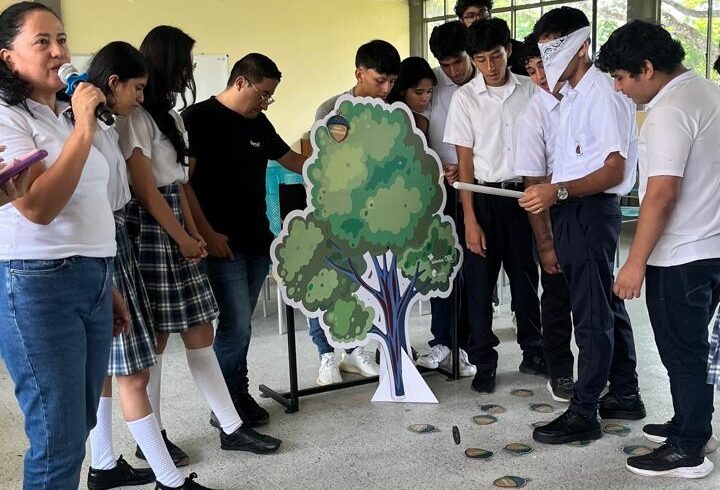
[(211, 73)]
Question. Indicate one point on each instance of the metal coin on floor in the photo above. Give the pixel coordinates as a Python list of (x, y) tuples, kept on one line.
[(422, 428), (542, 408), (616, 429), (494, 409), (477, 453), (484, 419), (510, 482), (523, 393), (518, 448)]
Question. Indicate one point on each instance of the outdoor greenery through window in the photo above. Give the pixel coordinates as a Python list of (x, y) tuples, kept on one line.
[(693, 22)]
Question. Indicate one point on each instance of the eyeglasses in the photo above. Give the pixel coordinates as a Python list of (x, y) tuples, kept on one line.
[(268, 99), (473, 16)]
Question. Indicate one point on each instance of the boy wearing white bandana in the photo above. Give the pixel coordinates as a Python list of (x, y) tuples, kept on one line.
[(595, 156), (481, 124)]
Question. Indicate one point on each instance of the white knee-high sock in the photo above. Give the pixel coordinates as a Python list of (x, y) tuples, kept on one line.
[(153, 388), (208, 377), (101, 440), (146, 432)]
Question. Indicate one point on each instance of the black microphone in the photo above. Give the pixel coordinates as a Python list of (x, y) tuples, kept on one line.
[(70, 76)]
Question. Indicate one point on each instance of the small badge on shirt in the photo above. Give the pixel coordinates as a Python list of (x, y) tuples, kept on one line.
[(255, 144), (578, 149)]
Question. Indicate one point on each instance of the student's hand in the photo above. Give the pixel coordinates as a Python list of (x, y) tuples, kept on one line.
[(451, 173), (197, 236), (121, 317), (628, 283), (191, 248), (539, 197), (475, 238), (549, 261), (218, 246), (84, 102)]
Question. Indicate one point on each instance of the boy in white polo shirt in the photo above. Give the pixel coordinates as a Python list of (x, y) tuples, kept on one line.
[(676, 248), (536, 127), (594, 161), (481, 124)]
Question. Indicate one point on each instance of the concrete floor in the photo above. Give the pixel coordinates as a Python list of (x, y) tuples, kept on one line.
[(342, 440)]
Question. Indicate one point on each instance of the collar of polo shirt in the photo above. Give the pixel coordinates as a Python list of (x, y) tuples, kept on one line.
[(586, 83), (685, 76), (480, 87)]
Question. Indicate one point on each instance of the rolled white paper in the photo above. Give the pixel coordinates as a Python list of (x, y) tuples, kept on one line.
[(483, 189)]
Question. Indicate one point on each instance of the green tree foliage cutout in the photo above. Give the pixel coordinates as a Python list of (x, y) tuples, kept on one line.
[(373, 238)]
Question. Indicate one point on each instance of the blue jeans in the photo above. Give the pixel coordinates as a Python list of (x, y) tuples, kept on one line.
[(236, 285), (55, 337), (681, 301)]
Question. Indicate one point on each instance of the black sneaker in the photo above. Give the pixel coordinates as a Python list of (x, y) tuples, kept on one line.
[(250, 412), (123, 475), (188, 485), (246, 439), (179, 457), (561, 389), (533, 364), (629, 407), (668, 460), (568, 427), (657, 433), (484, 381)]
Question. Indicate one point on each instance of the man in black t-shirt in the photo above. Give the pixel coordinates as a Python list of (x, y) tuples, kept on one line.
[(231, 141)]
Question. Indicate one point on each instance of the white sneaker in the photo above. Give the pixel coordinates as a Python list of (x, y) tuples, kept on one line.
[(329, 372), (466, 369), (433, 357), (360, 362)]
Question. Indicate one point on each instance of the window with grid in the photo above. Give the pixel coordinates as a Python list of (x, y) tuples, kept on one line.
[(696, 24), (605, 15)]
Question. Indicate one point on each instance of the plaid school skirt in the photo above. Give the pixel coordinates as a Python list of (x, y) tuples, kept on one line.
[(133, 351), (179, 292), (714, 359)]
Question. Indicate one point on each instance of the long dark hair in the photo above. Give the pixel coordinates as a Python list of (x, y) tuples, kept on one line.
[(412, 71), (168, 54), (115, 58), (13, 89)]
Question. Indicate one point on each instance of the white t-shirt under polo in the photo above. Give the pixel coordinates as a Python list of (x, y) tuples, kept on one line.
[(85, 226), (439, 107), (479, 121), (106, 140), (139, 130), (680, 138), (536, 128), (594, 122)]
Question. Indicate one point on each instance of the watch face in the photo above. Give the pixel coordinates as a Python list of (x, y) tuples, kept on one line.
[(562, 193)]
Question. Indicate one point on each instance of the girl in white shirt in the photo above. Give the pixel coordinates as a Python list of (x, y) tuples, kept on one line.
[(56, 250), (414, 86), (119, 70), (165, 239)]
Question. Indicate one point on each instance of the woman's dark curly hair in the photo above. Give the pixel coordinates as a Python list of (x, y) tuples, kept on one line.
[(168, 55), (13, 89)]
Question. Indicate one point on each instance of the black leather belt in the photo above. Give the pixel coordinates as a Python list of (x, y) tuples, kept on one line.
[(512, 185)]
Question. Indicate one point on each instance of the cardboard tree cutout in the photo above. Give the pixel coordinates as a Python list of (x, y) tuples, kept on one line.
[(373, 239)]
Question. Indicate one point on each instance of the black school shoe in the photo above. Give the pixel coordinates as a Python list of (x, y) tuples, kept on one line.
[(668, 460), (629, 407), (657, 433), (534, 364), (246, 439), (179, 457), (561, 389), (123, 475), (251, 414), (484, 381), (568, 427), (188, 485)]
